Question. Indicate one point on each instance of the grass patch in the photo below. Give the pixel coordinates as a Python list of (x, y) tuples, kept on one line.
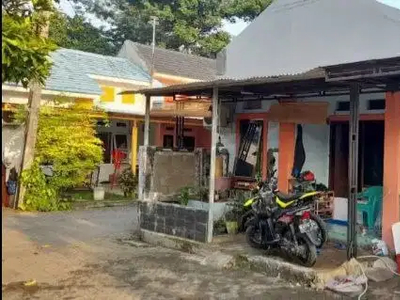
[(81, 196)]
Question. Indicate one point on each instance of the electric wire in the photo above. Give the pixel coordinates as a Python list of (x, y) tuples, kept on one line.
[(362, 270)]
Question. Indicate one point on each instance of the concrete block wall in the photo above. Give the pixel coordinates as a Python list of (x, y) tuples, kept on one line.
[(175, 220), (163, 172)]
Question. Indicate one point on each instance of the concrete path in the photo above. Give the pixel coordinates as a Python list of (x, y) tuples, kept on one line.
[(90, 255), (66, 228), (84, 255)]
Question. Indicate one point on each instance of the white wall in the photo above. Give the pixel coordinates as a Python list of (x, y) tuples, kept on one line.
[(228, 138), (138, 108), (12, 144), (316, 146)]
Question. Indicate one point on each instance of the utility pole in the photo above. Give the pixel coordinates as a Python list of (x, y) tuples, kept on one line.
[(154, 22), (35, 95)]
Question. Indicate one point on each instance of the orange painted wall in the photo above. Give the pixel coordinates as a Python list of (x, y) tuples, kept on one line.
[(167, 82), (391, 177), (287, 133), (202, 136)]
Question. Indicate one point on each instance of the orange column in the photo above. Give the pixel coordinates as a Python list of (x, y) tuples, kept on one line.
[(286, 154), (264, 149), (391, 178), (159, 135)]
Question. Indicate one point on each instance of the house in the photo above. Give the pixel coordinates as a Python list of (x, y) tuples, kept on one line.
[(94, 81), (294, 37), (296, 65), (170, 68)]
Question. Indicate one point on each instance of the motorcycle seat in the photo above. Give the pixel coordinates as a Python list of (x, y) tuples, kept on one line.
[(288, 197)]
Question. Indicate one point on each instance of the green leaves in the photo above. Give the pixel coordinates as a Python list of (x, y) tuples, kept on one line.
[(67, 141), (128, 182), (24, 52), (194, 25), (245, 10), (77, 33)]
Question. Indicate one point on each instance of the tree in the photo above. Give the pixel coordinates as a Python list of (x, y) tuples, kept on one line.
[(191, 25), (67, 142), (245, 10), (24, 51), (77, 33)]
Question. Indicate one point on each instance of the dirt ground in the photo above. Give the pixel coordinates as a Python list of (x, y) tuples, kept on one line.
[(86, 255)]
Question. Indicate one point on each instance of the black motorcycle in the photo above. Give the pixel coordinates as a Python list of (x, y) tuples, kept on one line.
[(309, 223), (274, 228)]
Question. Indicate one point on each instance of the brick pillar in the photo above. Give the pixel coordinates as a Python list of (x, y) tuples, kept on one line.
[(391, 177), (287, 133)]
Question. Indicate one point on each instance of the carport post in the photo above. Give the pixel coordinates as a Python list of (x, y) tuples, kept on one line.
[(214, 138), (353, 171), (143, 152), (147, 122)]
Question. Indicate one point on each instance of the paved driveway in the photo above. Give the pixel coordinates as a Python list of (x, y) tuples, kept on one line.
[(80, 255), (64, 228)]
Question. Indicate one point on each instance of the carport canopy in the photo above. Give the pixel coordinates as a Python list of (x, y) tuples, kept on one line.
[(372, 76)]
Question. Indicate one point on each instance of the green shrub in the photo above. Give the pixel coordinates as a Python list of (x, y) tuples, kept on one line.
[(67, 141), (128, 183), (40, 195)]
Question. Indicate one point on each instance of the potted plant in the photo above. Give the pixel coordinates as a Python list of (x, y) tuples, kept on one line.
[(98, 193), (219, 227), (232, 217), (128, 182)]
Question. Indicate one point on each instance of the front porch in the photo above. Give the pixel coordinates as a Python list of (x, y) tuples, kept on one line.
[(293, 98)]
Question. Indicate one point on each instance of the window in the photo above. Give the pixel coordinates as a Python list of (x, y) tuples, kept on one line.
[(128, 98), (121, 142), (121, 124), (168, 141), (189, 143), (343, 106), (376, 104), (157, 104), (108, 94)]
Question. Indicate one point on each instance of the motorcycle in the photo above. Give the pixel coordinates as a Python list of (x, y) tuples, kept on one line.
[(310, 223), (272, 227)]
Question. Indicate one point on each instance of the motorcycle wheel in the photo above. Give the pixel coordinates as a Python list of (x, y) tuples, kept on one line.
[(319, 235), (322, 233), (253, 237), (305, 253), (243, 221), (308, 257)]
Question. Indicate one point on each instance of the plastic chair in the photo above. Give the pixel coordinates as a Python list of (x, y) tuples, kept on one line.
[(373, 196)]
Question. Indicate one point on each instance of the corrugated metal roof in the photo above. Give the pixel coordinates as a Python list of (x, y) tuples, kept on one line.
[(293, 36), (71, 69), (317, 73), (170, 62), (317, 79)]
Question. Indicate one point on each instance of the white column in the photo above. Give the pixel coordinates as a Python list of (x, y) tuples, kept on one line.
[(214, 138), (143, 152), (147, 122)]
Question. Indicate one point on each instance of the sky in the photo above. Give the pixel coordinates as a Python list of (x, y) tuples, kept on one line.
[(237, 28), (234, 29)]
